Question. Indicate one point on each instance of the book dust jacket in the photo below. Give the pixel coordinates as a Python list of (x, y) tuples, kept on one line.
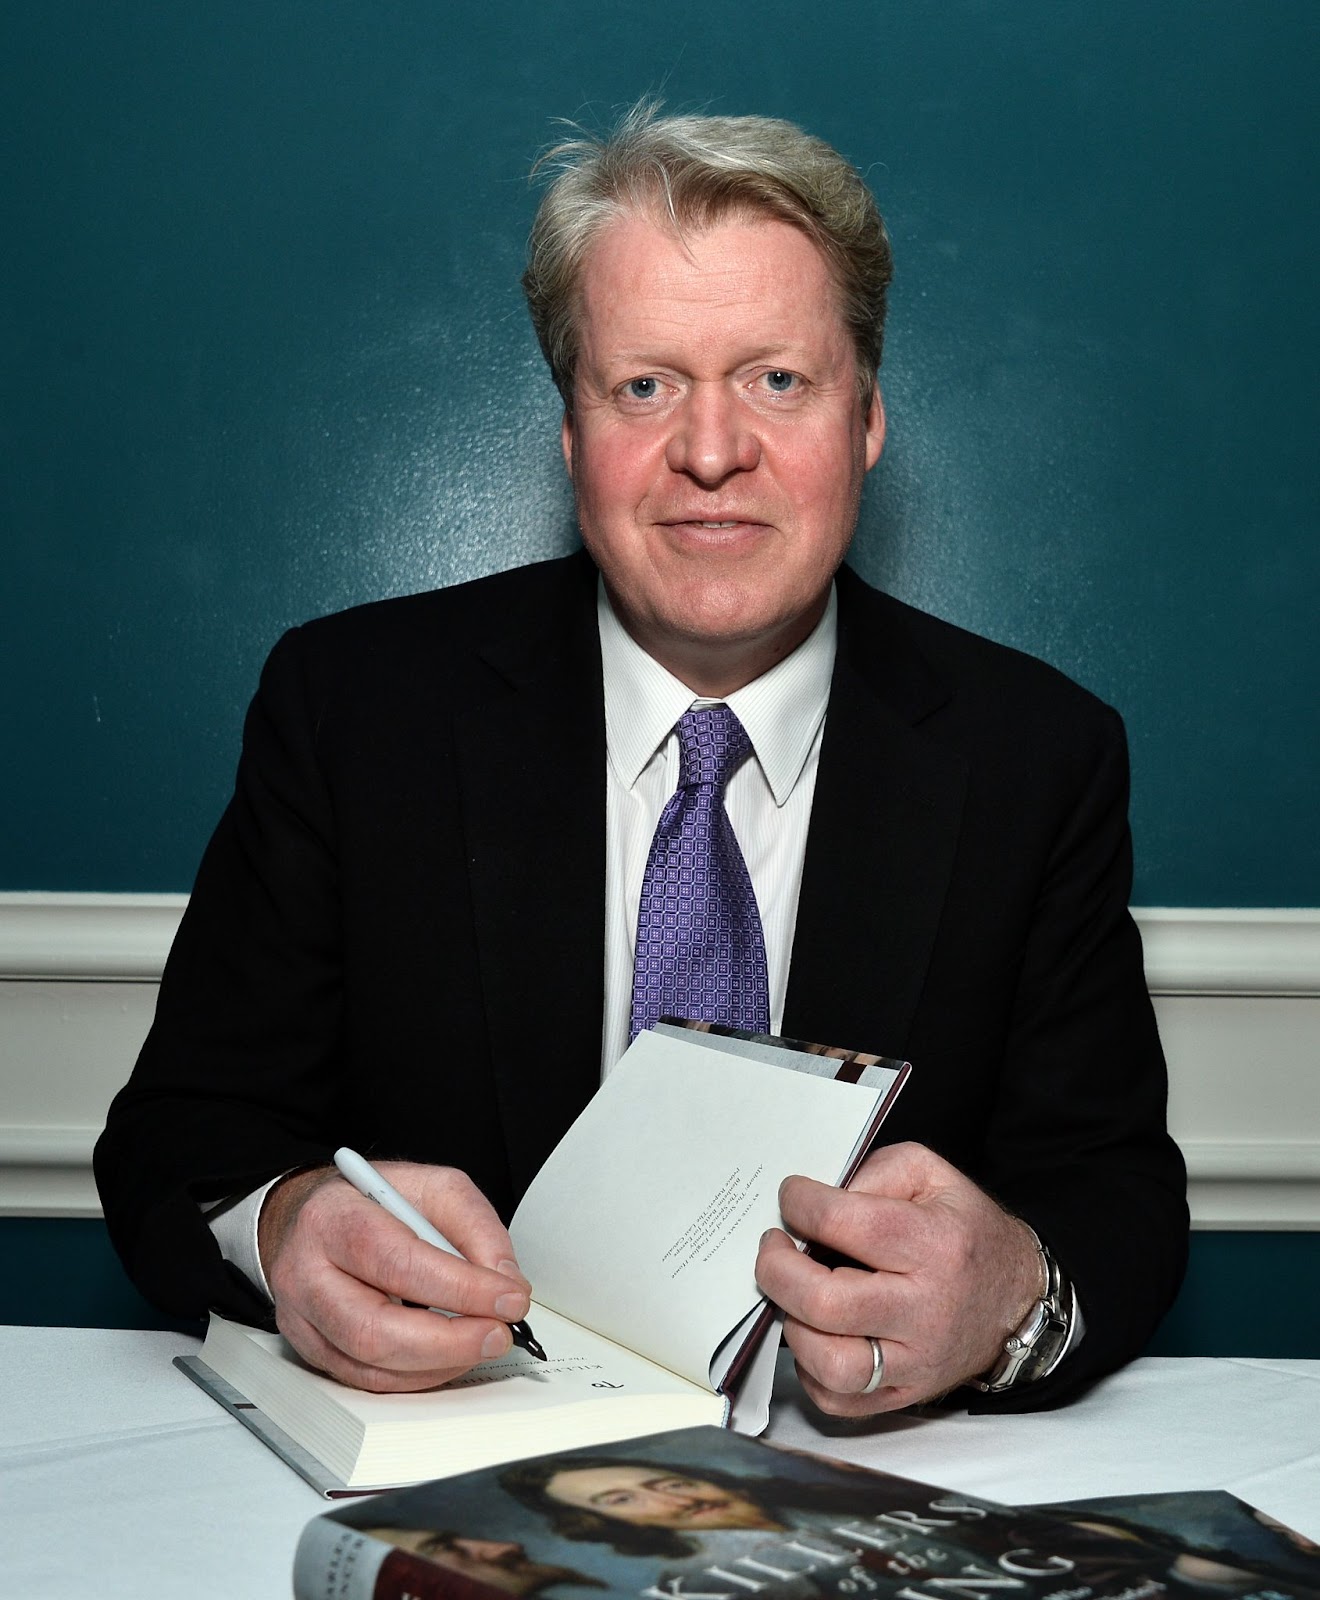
[(707, 1515)]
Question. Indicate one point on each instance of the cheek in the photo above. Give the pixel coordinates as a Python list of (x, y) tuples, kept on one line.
[(660, 1517), (812, 471), (614, 473)]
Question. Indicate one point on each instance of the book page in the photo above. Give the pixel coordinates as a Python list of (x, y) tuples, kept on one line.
[(646, 1220), (588, 1391), (580, 1366)]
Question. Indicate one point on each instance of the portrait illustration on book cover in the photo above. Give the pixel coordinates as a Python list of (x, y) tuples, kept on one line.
[(705, 1515)]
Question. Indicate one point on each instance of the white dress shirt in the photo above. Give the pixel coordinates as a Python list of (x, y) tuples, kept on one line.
[(768, 799)]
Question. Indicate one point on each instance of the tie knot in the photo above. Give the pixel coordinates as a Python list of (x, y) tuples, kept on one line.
[(713, 745)]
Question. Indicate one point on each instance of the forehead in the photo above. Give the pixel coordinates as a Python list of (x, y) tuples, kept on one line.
[(743, 280)]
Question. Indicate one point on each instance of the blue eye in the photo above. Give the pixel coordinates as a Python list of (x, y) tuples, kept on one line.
[(779, 381), (641, 388)]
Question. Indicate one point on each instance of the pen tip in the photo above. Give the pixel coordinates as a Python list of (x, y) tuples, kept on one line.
[(526, 1340)]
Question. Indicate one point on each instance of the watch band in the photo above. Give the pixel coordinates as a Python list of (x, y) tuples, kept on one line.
[(1036, 1347)]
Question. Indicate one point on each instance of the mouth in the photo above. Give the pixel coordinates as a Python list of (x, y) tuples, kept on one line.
[(733, 519), (713, 529), (700, 1508)]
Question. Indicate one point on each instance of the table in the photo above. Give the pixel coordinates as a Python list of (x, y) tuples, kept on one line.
[(119, 1478)]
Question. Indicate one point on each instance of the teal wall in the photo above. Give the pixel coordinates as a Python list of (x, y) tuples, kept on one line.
[(1246, 1293), (264, 356)]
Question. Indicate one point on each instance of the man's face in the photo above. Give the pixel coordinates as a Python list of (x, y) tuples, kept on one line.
[(717, 442), (651, 1497), (498, 1562)]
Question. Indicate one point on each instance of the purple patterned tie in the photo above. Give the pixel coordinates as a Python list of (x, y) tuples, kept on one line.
[(700, 950)]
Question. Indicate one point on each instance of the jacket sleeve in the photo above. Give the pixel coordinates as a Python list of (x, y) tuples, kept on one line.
[(1076, 1142), (236, 1080)]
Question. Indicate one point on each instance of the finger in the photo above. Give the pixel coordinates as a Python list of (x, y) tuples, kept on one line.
[(836, 1371), (854, 1405), (888, 1234), (852, 1402), (361, 1321), (835, 1300), (369, 1245), (839, 1364), (375, 1345), (452, 1202)]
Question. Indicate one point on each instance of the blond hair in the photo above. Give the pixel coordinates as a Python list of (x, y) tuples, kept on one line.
[(690, 172)]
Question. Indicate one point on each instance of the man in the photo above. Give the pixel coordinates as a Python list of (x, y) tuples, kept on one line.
[(396, 938)]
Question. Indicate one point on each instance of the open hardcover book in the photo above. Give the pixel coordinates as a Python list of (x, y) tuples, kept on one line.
[(705, 1515), (639, 1236)]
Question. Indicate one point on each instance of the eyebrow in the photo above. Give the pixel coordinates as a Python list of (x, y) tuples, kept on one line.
[(791, 351), (623, 1488)]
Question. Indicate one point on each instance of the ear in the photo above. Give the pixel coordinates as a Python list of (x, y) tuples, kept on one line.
[(875, 428), (566, 439)]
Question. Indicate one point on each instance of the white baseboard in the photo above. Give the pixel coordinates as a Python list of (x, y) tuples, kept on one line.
[(1237, 992)]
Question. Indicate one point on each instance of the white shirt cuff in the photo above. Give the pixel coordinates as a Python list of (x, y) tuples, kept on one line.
[(234, 1224)]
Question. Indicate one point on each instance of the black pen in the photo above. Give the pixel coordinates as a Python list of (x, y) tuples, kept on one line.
[(366, 1180)]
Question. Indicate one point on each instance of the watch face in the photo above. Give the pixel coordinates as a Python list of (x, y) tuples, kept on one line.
[(1040, 1360), (1034, 1349), (1050, 1341)]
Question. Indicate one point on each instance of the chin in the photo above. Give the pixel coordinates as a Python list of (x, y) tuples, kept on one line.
[(723, 614)]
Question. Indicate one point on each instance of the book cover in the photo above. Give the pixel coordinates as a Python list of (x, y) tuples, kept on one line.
[(707, 1515), (1211, 1531), (886, 1073)]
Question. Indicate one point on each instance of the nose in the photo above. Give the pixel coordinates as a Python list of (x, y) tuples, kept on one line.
[(713, 437), (684, 1497), (487, 1549)]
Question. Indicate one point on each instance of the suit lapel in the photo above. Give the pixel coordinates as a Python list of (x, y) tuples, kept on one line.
[(883, 835), (532, 758), (880, 850)]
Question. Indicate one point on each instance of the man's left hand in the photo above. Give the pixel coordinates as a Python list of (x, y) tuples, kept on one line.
[(944, 1275)]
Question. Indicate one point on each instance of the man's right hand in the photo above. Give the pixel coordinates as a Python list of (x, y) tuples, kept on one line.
[(333, 1259)]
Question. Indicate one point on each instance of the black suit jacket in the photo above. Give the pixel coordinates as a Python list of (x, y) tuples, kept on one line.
[(396, 935)]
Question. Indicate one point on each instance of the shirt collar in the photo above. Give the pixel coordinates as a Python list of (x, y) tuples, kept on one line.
[(782, 710)]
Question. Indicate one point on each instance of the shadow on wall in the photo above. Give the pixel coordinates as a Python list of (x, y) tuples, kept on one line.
[(61, 1272), (1246, 1294)]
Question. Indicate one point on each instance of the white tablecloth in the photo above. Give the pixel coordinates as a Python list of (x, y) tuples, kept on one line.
[(1250, 1426), (119, 1478)]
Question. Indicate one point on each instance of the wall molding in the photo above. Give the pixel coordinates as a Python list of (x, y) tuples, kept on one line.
[(1253, 1160), (1247, 1161), (1237, 990), (1190, 950), (74, 937)]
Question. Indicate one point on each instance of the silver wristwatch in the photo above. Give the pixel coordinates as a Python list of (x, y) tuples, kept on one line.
[(1035, 1348)]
